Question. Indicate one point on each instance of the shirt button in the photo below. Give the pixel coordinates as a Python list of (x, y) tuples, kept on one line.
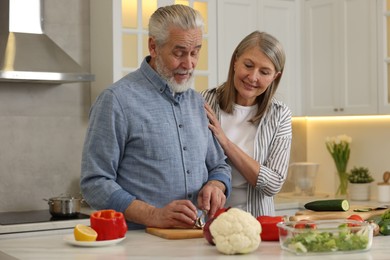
[(185, 148), (188, 171), (189, 196), (180, 126)]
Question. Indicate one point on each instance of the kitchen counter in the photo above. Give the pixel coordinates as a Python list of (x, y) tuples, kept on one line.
[(140, 245)]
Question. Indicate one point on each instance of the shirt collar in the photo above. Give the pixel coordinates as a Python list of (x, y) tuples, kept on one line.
[(157, 81)]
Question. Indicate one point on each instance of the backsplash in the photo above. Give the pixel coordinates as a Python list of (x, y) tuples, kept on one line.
[(42, 125), (370, 146)]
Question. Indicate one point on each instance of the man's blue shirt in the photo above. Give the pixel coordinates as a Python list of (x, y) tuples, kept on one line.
[(144, 143)]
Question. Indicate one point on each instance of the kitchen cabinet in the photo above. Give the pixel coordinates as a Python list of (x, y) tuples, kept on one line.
[(281, 18), (340, 66), (383, 9), (228, 22), (237, 18)]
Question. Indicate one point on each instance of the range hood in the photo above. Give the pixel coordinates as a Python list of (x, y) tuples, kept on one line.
[(27, 54)]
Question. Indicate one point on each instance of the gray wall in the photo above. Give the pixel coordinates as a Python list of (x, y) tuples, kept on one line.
[(42, 127)]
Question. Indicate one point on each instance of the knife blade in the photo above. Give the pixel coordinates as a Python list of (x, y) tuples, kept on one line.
[(371, 209)]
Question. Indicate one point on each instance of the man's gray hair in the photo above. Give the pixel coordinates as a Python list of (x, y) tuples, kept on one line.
[(166, 17)]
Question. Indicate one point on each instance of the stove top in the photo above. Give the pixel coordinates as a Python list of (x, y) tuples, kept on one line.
[(35, 216), (38, 220)]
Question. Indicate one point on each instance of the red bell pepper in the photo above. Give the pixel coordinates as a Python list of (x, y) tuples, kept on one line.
[(109, 224), (269, 230)]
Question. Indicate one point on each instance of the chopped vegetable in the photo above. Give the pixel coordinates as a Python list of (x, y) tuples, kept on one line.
[(305, 224), (323, 241), (109, 224), (355, 217)]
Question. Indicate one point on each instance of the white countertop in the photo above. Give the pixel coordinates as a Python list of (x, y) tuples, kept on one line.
[(140, 245)]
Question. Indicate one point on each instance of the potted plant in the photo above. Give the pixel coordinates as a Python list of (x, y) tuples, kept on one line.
[(359, 183)]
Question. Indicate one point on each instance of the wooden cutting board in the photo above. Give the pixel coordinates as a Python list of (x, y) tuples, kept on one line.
[(175, 233), (325, 215)]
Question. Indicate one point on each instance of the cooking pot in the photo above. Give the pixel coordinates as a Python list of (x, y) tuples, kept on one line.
[(64, 206)]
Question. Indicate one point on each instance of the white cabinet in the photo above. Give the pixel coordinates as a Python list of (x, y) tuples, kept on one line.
[(383, 10), (280, 18), (340, 67), (236, 19)]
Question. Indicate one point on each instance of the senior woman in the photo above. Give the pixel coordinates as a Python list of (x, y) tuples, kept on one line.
[(253, 127)]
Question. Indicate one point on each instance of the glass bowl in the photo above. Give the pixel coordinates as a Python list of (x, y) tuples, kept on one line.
[(325, 236)]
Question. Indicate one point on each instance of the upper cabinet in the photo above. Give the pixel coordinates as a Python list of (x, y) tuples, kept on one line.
[(337, 51), (238, 18), (384, 55), (281, 19), (340, 57)]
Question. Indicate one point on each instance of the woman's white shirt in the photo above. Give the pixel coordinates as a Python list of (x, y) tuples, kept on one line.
[(242, 133)]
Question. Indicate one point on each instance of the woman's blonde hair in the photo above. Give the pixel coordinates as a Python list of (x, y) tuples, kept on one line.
[(273, 49), (178, 16)]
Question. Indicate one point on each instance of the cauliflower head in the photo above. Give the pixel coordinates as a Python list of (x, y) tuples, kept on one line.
[(236, 232)]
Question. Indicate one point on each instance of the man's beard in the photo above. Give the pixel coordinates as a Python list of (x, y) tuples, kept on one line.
[(167, 75)]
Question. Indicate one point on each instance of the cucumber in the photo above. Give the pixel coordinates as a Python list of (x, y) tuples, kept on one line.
[(328, 205)]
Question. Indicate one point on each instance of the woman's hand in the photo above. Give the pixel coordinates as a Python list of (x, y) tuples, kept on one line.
[(246, 165), (215, 127)]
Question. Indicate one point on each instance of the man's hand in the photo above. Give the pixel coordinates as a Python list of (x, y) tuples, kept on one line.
[(178, 213), (212, 197)]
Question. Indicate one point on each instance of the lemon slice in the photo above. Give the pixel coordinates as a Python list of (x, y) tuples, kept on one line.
[(84, 233)]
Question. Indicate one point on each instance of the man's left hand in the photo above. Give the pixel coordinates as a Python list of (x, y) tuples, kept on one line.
[(212, 197)]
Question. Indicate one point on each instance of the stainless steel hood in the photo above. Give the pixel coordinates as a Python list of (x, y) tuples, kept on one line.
[(26, 53)]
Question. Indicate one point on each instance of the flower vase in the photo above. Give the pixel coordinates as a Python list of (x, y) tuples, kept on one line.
[(342, 190)]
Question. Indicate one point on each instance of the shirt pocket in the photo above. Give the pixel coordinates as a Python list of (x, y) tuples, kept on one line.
[(160, 141)]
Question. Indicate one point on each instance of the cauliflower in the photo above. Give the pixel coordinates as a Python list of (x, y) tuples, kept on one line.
[(236, 232)]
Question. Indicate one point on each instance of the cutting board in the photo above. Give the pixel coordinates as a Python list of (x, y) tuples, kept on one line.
[(175, 233), (325, 215)]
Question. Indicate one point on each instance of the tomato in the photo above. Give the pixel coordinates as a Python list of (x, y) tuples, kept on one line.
[(356, 218), (269, 230), (109, 224), (302, 224)]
